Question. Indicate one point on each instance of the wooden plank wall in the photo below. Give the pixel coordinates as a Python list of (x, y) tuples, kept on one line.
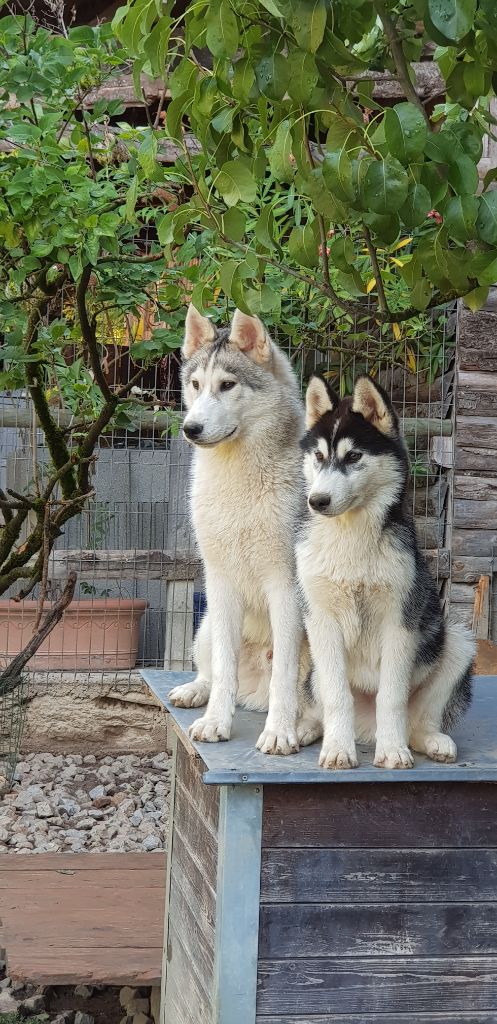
[(192, 914), (378, 904), (474, 532)]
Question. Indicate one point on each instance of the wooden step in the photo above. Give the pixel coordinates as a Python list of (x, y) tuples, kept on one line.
[(69, 918)]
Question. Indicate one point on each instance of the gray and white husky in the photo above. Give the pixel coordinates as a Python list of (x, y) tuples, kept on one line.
[(386, 664), (246, 420)]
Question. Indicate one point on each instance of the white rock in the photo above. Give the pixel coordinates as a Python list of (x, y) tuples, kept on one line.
[(150, 843), (44, 809), (96, 792)]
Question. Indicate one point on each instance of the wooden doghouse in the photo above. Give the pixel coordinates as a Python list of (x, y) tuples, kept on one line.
[(300, 896)]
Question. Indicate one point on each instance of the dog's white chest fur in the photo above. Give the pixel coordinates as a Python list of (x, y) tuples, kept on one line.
[(349, 572), (244, 515)]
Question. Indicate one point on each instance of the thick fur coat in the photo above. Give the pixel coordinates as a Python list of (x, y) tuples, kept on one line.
[(387, 667), (245, 420)]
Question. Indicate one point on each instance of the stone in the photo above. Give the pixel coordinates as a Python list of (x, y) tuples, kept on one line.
[(101, 802), (126, 995), (83, 1018), (7, 1004), (138, 1005), (89, 759), (35, 1004), (96, 793), (4, 835), (27, 797), (66, 1017), (141, 1018), (136, 818), (118, 799), (150, 843), (68, 807), (105, 774), (84, 991), (44, 809)]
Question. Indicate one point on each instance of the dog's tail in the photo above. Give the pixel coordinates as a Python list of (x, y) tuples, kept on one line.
[(460, 652)]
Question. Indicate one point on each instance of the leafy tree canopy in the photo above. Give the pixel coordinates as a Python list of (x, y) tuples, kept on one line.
[(302, 168)]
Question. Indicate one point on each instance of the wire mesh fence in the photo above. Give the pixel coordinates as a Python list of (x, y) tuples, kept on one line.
[(139, 593)]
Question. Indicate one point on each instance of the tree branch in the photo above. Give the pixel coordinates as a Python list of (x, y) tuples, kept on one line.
[(88, 332), (54, 437), (10, 676), (382, 299), (399, 57)]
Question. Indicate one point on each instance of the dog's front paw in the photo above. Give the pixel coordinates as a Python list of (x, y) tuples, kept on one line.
[(279, 740), (190, 695), (209, 730), (393, 757), (441, 747), (336, 754)]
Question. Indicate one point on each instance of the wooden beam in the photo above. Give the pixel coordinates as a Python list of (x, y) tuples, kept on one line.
[(127, 565), (21, 417), (481, 610)]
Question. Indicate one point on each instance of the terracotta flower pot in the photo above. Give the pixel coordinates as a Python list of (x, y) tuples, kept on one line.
[(92, 634)]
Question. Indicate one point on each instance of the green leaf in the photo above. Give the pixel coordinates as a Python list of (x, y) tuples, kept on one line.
[(273, 74), (308, 21), (231, 278), (264, 228), (243, 80), (337, 174), (459, 217), (342, 133), (444, 147), (222, 30), (174, 116), (303, 245), (155, 47), (453, 18), (321, 198), (406, 132), (303, 76), (342, 253), (387, 229), (463, 176), (486, 222), (280, 162), (147, 154), (386, 186), (421, 294), (131, 197), (476, 299), (234, 224), (417, 205), (434, 181), (236, 183)]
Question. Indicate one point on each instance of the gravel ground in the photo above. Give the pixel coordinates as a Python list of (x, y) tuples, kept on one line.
[(75, 804)]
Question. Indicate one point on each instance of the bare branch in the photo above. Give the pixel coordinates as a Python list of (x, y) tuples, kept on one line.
[(382, 299), (397, 51)]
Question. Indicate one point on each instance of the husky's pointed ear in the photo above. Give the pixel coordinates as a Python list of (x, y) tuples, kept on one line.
[(374, 404), (250, 336), (319, 399), (198, 332)]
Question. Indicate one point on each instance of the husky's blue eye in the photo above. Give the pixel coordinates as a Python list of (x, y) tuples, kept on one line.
[(227, 385)]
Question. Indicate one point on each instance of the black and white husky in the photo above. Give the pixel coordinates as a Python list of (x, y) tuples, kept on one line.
[(386, 664), (246, 420)]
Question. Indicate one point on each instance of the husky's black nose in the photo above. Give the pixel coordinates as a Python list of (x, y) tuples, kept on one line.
[(192, 430), (319, 502)]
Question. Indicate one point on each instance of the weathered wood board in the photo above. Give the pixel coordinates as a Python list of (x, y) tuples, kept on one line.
[(299, 896)]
